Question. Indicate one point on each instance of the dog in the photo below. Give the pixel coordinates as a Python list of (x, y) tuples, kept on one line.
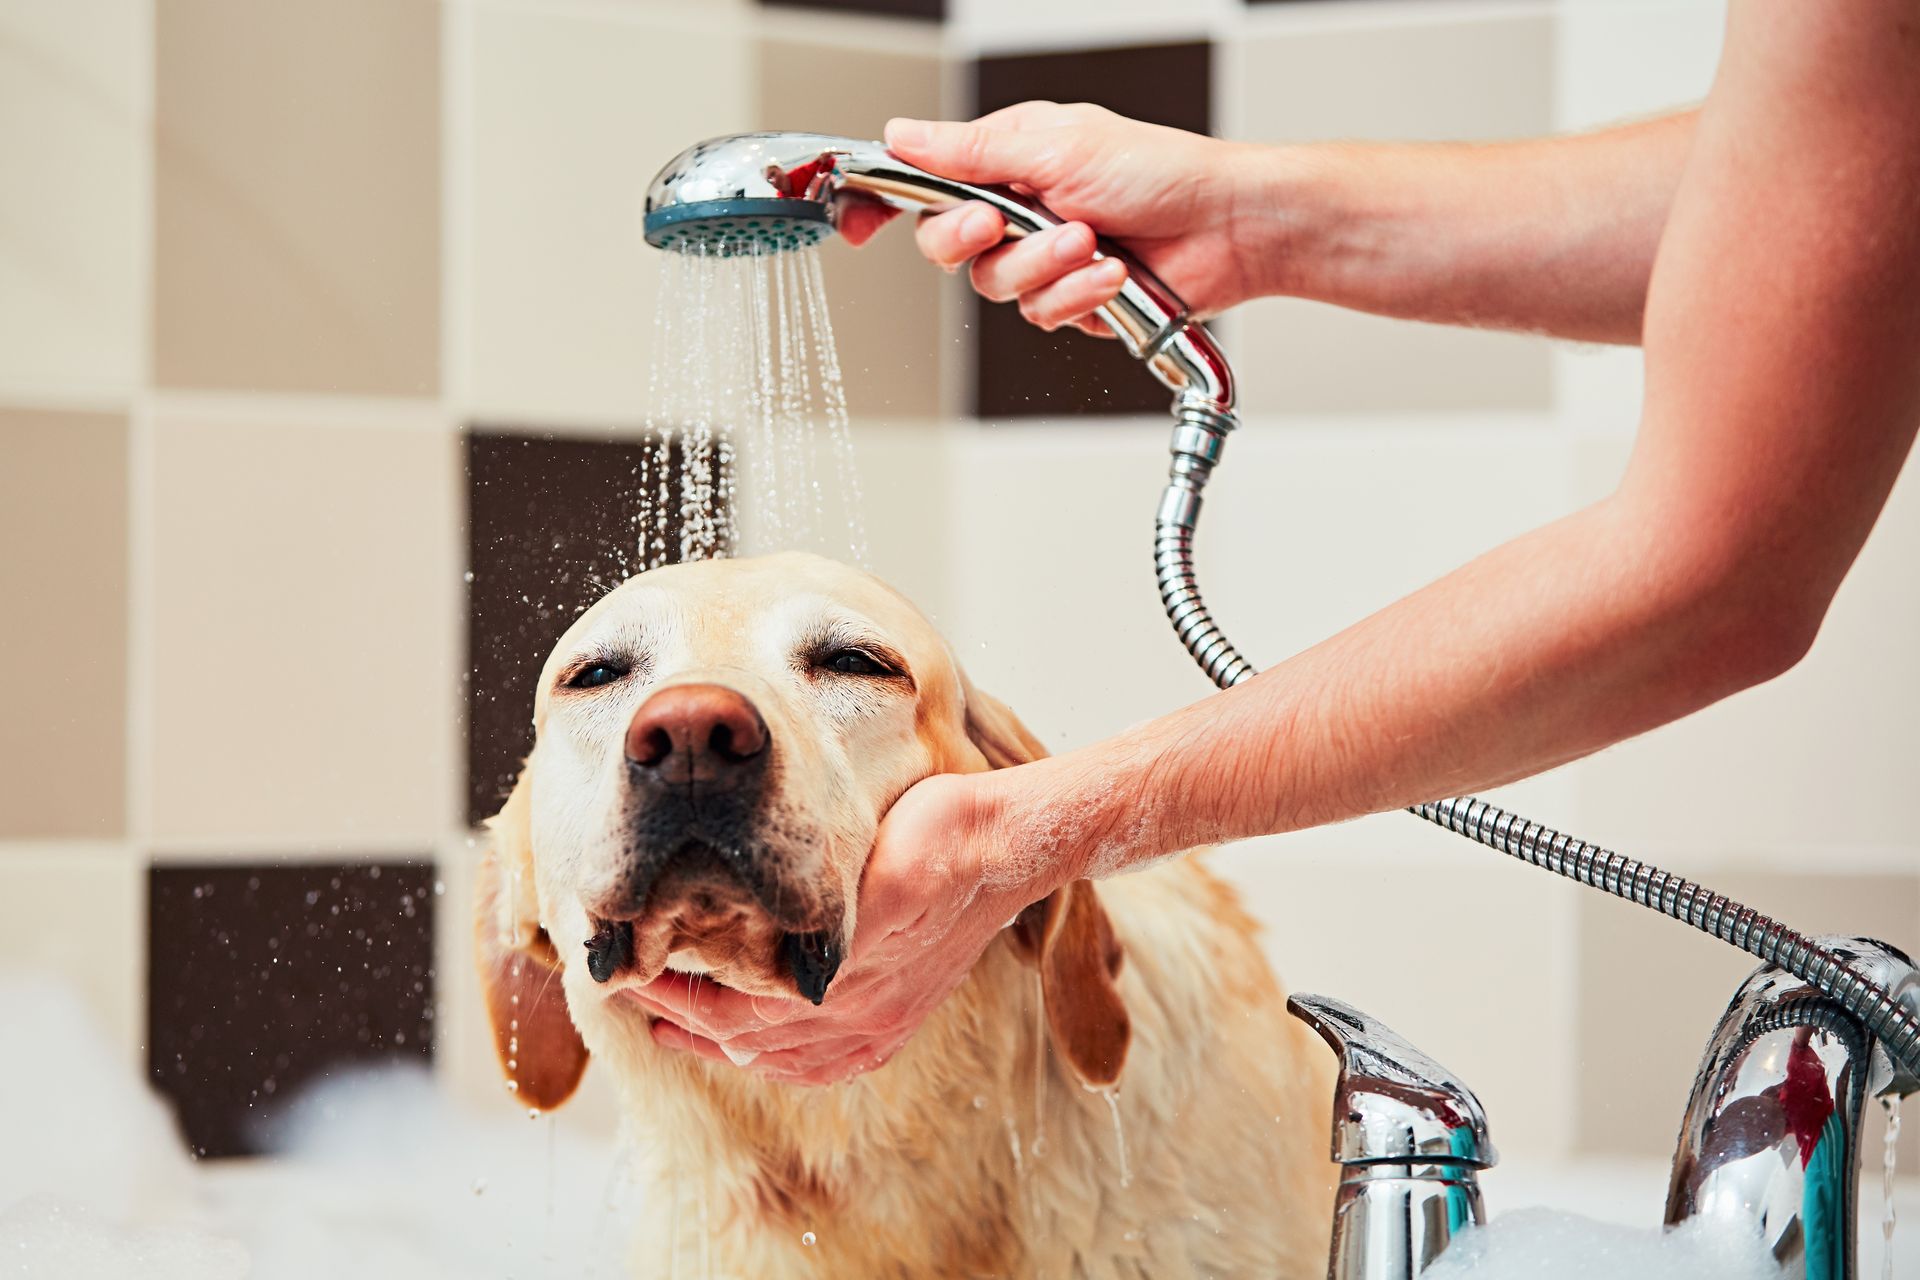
[(1115, 1090)]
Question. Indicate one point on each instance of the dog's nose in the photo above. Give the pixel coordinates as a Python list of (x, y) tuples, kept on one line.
[(696, 733)]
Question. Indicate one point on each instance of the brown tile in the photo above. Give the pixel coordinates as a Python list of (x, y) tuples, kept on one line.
[(551, 526), (297, 195), (884, 299), (305, 630), (1020, 371), (63, 650), (1650, 991), (265, 979)]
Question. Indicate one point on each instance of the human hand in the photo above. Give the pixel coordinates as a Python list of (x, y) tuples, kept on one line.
[(933, 896), (1177, 201)]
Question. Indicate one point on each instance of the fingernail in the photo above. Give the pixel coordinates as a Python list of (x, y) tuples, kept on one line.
[(904, 132), (1070, 244), (980, 223), (1110, 271)]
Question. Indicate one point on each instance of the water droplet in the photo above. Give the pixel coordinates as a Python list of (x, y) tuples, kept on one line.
[(513, 1086), (533, 1113), (808, 1239), (479, 1186), (979, 1102)]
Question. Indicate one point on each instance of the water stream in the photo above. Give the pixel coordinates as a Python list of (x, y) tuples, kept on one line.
[(1889, 1164), (750, 441)]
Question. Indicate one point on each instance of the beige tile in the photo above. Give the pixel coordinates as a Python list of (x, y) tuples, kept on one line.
[(571, 113), (63, 650), (1449, 79), (885, 300), (306, 657), (1650, 991), (297, 193), (73, 125), (75, 914)]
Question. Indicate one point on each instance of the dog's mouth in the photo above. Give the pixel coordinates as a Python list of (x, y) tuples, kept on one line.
[(701, 917), (811, 960)]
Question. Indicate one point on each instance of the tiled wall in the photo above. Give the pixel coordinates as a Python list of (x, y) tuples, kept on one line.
[(310, 310)]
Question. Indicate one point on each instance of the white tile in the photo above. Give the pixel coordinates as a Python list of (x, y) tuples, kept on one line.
[(571, 113), (1619, 59), (1466, 953), (1814, 764), (74, 122), (306, 660)]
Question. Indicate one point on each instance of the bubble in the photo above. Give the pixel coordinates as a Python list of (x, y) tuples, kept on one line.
[(808, 1239)]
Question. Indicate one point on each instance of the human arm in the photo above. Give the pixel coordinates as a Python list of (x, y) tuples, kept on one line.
[(1783, 390), (1552, 235)]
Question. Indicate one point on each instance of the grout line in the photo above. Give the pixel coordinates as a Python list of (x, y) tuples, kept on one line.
[(457, 97), (300, 408)]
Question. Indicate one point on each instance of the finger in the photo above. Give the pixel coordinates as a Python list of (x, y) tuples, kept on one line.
[(1034, 113), (1073, 296), (1025, 266), (955, 236), (977, 151), (1093, 326), (669, 1036)]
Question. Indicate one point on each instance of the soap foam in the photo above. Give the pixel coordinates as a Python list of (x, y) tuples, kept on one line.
[(1527, 1244)]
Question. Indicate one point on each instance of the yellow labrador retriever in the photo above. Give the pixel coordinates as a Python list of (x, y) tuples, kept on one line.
[(1116, 1090)]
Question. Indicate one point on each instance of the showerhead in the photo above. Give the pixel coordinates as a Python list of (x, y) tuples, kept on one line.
[(749, 193), (759, 193)]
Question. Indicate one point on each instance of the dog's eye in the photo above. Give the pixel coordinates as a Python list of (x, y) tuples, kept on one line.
[(852, 662), (592, 677)]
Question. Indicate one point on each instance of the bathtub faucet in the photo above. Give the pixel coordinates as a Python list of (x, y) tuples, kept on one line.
[(1410, 1140), (1770, 1147)]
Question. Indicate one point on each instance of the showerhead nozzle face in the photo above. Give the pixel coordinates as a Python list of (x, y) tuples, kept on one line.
[(740, 227)]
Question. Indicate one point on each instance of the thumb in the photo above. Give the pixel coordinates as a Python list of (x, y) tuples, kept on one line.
[(976, 152)]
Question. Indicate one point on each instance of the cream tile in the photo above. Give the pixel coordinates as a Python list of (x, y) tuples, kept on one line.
[(63, 650), (73, 126), (76, 914), (1411, 80), (885, 300), (1818, 763), (1467, 954), (297, 191), (1306, 357), (571, 113), (1650, 991), (306, 628), (1304, 533), (1447, 78)]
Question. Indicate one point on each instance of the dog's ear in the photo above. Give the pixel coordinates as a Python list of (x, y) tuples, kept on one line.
[(1069, 939), (1067, 935), (997, 733), (533, 1034)]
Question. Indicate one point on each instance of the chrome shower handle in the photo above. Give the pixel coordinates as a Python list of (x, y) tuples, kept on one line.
[(1393, 1103), (1142, 315)]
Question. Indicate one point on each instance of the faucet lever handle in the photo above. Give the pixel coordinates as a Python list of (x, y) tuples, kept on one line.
[(1393, 1103)]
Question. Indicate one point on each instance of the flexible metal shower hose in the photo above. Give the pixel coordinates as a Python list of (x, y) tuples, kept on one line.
[(1541, 846)]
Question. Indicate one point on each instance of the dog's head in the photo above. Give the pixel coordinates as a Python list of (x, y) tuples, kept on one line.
[(716, 745)]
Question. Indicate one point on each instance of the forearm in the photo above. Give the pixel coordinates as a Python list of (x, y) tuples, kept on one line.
[(1550, 236)]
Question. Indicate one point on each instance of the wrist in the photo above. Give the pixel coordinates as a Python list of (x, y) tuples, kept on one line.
[(1285, 216)]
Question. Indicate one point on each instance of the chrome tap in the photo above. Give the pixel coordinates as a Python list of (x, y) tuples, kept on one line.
[(1411, 1140), (1771, 1141)]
